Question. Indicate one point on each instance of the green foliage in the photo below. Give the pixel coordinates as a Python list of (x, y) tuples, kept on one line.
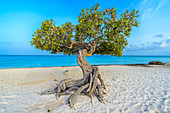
[(52, 38), (103, 28)]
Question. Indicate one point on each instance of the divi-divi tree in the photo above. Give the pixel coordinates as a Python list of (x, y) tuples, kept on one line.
[(96, 32)]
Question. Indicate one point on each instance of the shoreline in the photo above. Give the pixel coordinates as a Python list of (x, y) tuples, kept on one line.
[(139, 65), (71, 66)]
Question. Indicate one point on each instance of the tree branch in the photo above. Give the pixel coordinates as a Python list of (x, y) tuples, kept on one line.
[(92, 50), (71, 46)]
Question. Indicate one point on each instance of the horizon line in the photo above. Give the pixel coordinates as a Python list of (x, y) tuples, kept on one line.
[(92, 55)]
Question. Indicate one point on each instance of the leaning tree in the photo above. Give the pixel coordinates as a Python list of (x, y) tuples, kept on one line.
[(96, 32)]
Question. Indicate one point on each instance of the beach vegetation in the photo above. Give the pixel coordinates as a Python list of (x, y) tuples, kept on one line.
[(97, 31)]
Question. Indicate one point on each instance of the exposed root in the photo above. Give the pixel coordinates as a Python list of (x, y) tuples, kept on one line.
[(63, 85), (90, 83), (95, 76), (89, 86), (74, 96), (48, 92), (101, 81)]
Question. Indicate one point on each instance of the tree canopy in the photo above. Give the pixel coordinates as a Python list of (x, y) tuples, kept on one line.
[(98, 31)]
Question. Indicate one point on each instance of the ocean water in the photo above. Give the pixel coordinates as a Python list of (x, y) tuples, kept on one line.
[(26, 61)]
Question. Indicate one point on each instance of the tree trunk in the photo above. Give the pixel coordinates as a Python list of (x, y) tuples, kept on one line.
[(88, 85)]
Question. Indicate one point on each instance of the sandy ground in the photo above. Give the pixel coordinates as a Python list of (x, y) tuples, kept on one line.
[(132, 89)]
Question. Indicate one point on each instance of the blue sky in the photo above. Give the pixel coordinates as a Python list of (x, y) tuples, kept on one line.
[(20, 18)]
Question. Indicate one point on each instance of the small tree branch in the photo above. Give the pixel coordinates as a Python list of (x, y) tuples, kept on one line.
[(71, 46)]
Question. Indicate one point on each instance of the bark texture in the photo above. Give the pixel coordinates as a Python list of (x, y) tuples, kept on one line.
[(91, 84)]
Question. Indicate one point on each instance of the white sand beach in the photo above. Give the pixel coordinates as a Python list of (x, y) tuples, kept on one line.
[(131, 89)]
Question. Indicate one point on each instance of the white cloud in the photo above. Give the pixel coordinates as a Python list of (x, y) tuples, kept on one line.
[(161, 3), (163, 44), (128, 46), (159, 35), (150, 8), (144, 2), (147, 13), (149, 46)]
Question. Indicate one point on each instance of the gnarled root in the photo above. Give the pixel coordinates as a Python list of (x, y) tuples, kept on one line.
[(74, 96), (89, 86)]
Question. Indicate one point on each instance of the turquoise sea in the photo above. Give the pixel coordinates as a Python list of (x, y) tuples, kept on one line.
[(26, 61)]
